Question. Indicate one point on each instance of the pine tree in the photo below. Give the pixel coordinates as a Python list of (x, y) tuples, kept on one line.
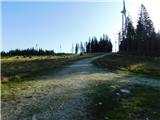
[(141, 41), (130, 36), (76, 48), (103, 45), (144, 32)]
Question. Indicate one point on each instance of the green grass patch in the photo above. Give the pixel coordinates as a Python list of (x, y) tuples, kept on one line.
[(142, 65), (110, 104)]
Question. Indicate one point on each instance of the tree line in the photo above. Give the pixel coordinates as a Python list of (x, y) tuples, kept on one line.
[(94, 45), (142, 40), (28, 52)]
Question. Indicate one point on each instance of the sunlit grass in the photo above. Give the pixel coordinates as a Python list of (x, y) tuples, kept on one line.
[(141, 65), (19, 68)]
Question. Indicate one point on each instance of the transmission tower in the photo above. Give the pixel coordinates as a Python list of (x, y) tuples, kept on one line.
[(36, 46), (60, 48), (72, 49), (115, 42)]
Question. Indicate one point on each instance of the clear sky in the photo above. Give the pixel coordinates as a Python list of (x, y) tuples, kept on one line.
[(52, 23)]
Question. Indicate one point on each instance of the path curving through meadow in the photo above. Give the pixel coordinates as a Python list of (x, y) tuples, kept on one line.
[(62, 96)]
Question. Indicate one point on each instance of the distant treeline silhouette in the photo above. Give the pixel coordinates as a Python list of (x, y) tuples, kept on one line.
[(94, 45), (28, 52), (143, 40)]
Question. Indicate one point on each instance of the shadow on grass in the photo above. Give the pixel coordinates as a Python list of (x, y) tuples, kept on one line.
[(111, 104)]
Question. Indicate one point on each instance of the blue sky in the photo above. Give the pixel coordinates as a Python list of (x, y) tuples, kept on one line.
[(51, 24)]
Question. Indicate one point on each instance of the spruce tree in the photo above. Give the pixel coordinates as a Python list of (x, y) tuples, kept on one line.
[(144, 32), (76, 48), (130, 36)]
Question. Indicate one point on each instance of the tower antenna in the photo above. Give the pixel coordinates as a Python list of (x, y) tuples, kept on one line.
[(72, 50), (36, 46), (60, 49)]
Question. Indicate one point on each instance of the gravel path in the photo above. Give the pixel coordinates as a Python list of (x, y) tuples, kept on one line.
[(61, 97)]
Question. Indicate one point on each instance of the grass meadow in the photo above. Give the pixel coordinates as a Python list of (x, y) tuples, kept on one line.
[(147, 66), (25, 93), (18, 72)]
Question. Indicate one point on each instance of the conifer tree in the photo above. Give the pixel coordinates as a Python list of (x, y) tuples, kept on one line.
[(76, 48)]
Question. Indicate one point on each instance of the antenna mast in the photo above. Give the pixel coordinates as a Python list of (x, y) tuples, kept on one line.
[(72, 48), (60, 49)]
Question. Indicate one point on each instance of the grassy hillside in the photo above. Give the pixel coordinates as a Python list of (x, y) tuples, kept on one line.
[(20, 68), (20, 72), (141, 65)]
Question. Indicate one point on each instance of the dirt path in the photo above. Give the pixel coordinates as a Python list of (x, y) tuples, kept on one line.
[(61, 97)]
